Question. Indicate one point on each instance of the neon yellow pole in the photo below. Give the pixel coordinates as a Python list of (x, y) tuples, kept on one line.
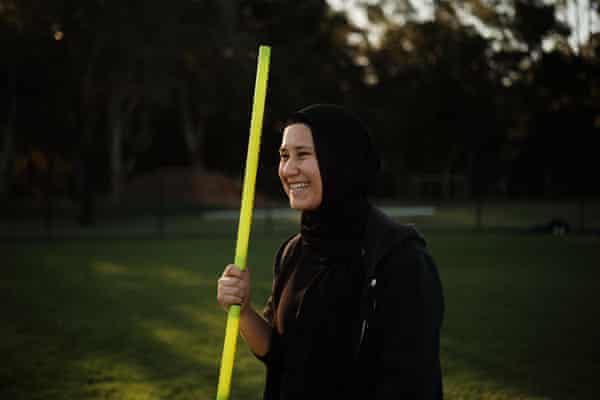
[(241, 249)]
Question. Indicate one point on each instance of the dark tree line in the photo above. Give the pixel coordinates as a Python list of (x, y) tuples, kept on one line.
[(100, 91)]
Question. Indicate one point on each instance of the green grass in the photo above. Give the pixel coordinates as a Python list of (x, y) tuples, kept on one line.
[(136, 222), (138, 319), (513, 214)]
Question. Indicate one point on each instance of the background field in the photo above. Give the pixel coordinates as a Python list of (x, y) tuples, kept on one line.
[(147, 218), (137, 319)]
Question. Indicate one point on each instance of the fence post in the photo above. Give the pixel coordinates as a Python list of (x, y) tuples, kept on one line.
[(47, 193), (581, 215), (49, 216), (161, 209), (478, 213)]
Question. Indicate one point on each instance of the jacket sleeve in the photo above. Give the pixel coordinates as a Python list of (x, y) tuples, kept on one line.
[(406, 331), (269, 310), (268, 314), (273, 351)]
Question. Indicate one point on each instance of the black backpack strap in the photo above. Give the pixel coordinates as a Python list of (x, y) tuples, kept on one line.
[(283, 263), (368, 302), (284, 252)]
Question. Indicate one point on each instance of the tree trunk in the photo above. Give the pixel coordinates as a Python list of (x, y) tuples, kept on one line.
[(228, 15), (577, 26), (115, 138), (118, 123), (121, 104), (590, 11), (470, 175), (7, 146), (87, 167), (192, 132)]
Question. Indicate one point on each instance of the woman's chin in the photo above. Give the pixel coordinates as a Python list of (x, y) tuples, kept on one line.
[(302, 204), (295, 205)]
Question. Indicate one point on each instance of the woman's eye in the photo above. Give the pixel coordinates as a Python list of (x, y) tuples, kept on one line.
[(283, 157), (303, 154)]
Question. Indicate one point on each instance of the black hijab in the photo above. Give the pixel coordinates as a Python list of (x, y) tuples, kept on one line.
[(348, 164), (319, 301)]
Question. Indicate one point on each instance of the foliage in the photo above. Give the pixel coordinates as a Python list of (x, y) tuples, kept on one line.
[(122, 88)]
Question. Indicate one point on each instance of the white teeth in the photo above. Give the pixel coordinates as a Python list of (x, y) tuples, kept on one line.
[(297, 186)]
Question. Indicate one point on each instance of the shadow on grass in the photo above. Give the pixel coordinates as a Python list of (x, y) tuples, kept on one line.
[(521, 317), (138, 319), (118, 320)]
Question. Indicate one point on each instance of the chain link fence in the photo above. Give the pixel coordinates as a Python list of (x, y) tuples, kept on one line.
[(154, 218)]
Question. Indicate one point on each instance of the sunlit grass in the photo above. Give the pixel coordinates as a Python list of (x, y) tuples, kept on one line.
[(138, 319)]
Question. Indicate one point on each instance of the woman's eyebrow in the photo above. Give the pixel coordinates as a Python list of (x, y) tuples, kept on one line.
[(296, 148)]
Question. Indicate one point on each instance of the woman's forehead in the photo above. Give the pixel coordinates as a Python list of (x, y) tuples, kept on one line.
[(297, 135)]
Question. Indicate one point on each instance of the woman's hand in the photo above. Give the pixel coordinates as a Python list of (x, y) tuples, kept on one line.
[(234, 287)]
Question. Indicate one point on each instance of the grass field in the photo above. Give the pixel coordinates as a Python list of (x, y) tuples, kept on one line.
[(138, 319), (137, 221)]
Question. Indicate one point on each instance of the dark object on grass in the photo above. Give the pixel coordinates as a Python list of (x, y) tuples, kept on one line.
[(556, 226)]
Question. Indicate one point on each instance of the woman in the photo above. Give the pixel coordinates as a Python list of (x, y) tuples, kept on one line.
[(356, 306)]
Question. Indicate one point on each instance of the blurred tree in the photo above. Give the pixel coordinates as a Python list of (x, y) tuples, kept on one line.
[(312, 61), (434, 91), (122, 67), (470, 82), (8, 107), (562, 129), (121, 88)]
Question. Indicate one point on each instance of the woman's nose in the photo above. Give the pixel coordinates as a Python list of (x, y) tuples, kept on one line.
[(290, 167)]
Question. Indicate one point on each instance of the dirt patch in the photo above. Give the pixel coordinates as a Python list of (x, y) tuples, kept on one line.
[(190, 185)]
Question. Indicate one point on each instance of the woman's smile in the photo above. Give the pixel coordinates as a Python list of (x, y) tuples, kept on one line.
[(299, 168), (297, 188)]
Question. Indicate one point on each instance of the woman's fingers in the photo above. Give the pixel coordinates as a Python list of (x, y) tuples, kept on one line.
[(228, 296), (229, 286), (233, 270), (235, 276), (228, 300), (233, 291), (233, 287), (233, 281)]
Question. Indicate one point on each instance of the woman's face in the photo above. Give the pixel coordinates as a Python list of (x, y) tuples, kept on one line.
[(299, 168)]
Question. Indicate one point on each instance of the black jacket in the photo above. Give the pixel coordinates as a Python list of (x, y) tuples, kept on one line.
[(397, 333)]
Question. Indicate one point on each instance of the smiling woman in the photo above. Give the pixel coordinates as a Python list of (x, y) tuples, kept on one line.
[(356, 303), (299, 168)]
